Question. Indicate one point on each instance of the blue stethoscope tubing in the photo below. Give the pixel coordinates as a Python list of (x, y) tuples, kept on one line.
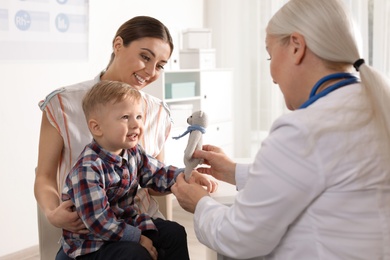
[(313, 97)]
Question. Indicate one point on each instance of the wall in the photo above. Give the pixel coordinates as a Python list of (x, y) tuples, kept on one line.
[(240, 26), (24, 83)]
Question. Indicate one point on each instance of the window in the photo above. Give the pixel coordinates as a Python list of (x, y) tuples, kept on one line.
[(238, 36)]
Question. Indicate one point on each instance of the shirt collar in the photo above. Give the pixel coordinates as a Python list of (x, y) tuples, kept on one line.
[(108, 156)]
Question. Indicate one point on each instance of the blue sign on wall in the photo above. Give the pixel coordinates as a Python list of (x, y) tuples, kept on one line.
[(43, 29)]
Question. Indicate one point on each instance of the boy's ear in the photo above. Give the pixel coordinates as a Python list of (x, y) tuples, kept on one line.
[(94, 127), (298, 43)]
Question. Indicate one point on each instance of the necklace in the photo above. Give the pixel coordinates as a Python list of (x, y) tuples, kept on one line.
[(348, 79)]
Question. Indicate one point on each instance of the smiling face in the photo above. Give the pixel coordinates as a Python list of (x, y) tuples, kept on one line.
[(140, 63), (120, 125)]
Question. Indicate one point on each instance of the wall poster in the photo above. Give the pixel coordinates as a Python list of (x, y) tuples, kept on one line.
[(44, 29)]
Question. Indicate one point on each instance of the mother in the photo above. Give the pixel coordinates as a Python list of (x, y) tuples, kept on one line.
[(141, 48)]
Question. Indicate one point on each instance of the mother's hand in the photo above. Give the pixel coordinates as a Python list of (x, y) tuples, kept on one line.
[(188, 194), (64, 217)]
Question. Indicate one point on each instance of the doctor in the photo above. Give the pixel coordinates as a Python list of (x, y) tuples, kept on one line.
[(319, 187)]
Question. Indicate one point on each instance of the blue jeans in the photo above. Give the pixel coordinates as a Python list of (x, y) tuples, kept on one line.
[(170, 241), (61, 255)]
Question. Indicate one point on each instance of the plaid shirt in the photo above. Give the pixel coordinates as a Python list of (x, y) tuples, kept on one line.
[(102, 187)]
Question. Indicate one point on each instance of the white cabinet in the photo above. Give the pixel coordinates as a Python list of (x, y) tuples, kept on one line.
[(212, 93), (216, 91)]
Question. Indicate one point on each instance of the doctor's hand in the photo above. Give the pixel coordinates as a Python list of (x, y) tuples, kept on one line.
[(188, 194), (64, 217), (221, 166)]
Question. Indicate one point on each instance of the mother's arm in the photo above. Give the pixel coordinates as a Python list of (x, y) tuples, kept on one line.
[(45, 187)]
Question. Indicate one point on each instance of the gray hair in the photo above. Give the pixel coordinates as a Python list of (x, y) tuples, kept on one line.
[(330, 33)]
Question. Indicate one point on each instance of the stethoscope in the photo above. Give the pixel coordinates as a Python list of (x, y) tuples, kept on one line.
[(348, 79)]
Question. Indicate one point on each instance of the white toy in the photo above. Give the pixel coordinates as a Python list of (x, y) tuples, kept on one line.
[(197, 127)]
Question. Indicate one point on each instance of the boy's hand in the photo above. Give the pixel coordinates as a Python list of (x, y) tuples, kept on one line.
[(148, 244), (203, 180)]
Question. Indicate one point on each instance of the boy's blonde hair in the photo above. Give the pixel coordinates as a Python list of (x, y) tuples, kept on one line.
[(106, 91)]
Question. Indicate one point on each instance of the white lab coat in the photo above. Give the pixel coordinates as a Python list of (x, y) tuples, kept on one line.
[(319, 188)]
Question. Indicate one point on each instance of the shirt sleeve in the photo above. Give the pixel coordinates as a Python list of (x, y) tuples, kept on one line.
[(273, 192), (154, 174), (241, 175), (157, 124)]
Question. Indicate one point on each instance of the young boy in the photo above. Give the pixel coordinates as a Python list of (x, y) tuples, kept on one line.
[(104, 180)]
